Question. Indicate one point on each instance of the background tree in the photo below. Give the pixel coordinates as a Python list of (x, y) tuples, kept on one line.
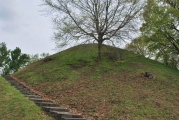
[(3, 53), (95, 20), (36, 57), (33, 58), (172, 3), (14, 61), (139, 46), (44, 55), (160, 29)]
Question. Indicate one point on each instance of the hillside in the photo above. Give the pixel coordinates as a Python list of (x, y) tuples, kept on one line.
[(14, 106), (112, 89)]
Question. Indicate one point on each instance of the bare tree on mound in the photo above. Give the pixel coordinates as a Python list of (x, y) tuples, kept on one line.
[(94, 20)]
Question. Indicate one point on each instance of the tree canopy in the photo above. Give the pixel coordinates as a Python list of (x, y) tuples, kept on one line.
[(95, 20), (3, 53), (139, 46), (11, 61), (161, 29), (161, 25)]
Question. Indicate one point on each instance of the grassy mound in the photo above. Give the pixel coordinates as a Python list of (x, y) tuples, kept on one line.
[(113, 88), (14, 106)]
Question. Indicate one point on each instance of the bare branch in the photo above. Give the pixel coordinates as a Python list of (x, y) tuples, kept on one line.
[(99, 20)]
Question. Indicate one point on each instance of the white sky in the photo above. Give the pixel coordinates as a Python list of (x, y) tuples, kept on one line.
[(23, 25)]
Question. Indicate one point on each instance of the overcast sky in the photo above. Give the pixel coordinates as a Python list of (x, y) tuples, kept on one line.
[(23, 25)]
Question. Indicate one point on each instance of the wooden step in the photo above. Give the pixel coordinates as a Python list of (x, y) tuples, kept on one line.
[(68, 115), (26, 93), (33, 96), (39, 100), (59, 114), (50, 104), (48, 109), (73, 118)]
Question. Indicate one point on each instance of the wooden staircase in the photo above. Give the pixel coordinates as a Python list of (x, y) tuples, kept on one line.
[(48, 106)]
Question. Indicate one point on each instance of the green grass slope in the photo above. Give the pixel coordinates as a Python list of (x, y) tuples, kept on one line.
[(112, 89), (14, 106)]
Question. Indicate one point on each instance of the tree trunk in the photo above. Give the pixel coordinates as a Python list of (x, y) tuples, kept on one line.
[(99, 50)]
